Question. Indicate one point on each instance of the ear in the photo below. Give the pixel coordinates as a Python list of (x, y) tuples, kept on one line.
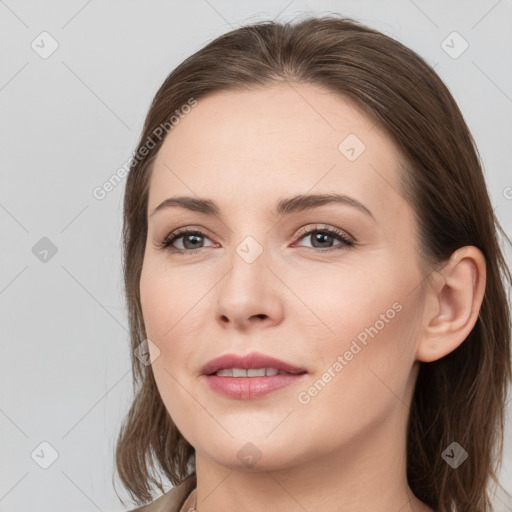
[(452, 304)]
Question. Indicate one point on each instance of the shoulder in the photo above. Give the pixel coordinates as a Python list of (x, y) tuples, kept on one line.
[(172, 500)]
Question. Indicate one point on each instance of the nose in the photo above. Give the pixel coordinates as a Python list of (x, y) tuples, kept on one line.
[(250, 295)]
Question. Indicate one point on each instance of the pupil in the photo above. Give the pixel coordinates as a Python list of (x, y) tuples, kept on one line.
[(188, 238), (321, 237)]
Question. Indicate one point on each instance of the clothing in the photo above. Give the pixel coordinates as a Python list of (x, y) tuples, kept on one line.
[(172, 500)]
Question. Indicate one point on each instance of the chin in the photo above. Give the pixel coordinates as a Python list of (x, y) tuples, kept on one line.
[(254, 453)]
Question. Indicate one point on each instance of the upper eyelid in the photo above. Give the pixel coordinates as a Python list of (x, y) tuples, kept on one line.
[(306, 230), (299, 232)]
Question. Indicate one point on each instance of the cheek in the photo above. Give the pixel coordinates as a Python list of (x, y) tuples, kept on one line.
[(164, 298), (173, 307), (338, 301), (162, 309), (378, 375), (372, 322), (359, 384)]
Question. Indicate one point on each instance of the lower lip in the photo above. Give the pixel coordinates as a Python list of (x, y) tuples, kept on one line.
[(250, 387)]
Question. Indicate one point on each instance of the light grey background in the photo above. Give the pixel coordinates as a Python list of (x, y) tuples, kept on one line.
[(68, 122)]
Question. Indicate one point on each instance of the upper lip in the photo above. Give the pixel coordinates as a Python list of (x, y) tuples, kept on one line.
[(253, 360)]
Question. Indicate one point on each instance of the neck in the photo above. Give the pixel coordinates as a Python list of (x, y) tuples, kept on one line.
[(367, 474)]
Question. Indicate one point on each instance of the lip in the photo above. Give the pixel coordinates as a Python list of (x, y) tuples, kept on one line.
[(250, 387), (253, 360)]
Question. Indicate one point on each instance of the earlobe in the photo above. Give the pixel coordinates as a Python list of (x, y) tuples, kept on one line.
[(453, 302)]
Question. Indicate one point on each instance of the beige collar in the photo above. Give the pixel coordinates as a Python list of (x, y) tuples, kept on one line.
[(190, 502)]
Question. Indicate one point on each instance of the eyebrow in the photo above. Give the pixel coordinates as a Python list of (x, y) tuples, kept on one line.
[(284, 207)]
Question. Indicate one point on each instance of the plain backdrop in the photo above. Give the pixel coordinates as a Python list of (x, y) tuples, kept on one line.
[(76, 80)]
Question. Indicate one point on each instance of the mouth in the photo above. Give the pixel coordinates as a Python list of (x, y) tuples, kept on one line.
[(249, 365), (250, 376), (251, 372)]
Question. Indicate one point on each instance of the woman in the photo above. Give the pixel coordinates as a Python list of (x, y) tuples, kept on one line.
[(314, 276)]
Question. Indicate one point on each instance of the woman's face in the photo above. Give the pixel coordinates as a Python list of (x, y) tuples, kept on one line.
[(343, 306)]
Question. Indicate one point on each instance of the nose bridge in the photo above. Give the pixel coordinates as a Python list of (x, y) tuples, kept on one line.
[(246, 278), (247, 289)]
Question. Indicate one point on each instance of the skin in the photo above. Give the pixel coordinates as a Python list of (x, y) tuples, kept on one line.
[(297, 301)]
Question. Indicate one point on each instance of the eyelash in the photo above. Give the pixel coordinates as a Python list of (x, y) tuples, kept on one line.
[(166, 243)]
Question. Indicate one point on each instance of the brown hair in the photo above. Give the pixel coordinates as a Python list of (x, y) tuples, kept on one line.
[(460, 397)]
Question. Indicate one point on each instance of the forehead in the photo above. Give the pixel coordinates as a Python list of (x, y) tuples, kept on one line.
[(257, 145)]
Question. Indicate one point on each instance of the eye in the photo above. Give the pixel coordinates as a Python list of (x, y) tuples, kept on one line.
[(191, 240), (322, 238)]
